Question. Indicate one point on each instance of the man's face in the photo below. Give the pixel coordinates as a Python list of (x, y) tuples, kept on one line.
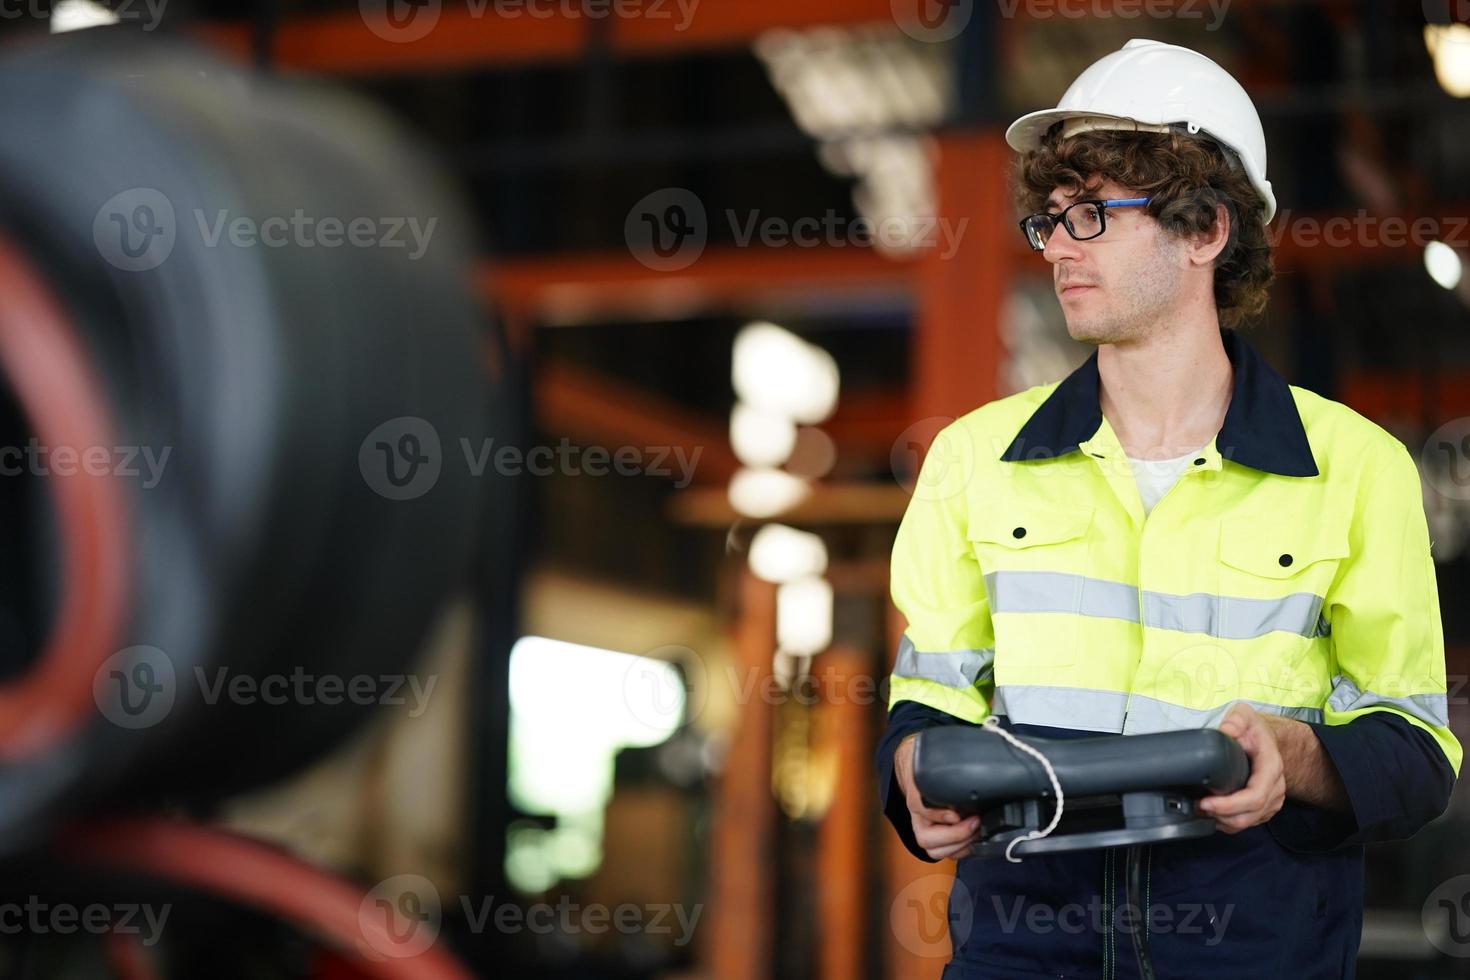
[(1121, 285)]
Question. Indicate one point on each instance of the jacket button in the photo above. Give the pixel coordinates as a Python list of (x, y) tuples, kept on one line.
[(1019, 532), (1200, 461), (1285, 560)]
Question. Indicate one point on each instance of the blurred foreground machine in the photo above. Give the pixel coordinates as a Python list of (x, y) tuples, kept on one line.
[(228, 458)]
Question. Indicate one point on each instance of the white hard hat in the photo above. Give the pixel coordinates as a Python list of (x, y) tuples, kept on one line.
[(1147, 86)]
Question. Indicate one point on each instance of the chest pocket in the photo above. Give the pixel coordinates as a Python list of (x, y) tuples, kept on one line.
[(1268, 559), (1274, 579), (1039, 538), (1035, 561)]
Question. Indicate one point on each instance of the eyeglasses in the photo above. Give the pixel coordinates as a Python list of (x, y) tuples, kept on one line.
[(1083, 220)]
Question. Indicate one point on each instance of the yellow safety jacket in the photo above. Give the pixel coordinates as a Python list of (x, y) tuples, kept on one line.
[(1289, 567)]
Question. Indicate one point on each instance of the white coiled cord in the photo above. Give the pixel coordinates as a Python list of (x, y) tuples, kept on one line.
[(993, 724)]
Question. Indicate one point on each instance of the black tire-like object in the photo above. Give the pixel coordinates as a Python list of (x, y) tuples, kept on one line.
[(274, 544)]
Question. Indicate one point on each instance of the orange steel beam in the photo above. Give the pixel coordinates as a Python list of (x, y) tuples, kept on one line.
[(843, 719), (1383, 395), (955, 368), (868, 421), (727, 24), (586, 405), (865, 502), (916, 941), (522, 31), (611, 282), (957, 346), (345, 44), (742, 868)]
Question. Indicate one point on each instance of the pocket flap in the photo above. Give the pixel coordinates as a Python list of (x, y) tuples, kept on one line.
[(1026, 527), (1267, 549)]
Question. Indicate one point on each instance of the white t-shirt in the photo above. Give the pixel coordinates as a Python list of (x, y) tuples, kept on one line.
[(1156, 476)]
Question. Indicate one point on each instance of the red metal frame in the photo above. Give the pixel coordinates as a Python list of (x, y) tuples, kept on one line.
[(344, 43)]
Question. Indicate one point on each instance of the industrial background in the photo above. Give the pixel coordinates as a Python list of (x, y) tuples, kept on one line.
[(746, 258)]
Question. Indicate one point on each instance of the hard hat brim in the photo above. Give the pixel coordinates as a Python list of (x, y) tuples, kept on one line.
[(1025, 133)]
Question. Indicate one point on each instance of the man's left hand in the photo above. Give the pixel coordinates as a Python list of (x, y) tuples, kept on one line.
[(1265, 791)]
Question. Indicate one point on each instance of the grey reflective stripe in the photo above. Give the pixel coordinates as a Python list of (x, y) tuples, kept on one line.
[(1224, 617), (1232, 617), (952, 668), (1081, 708), (1146, 714), (1432, 709), (1088, 709), (1061, 592)]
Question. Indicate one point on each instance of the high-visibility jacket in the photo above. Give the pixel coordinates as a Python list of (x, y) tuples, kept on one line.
[(1289, 567)]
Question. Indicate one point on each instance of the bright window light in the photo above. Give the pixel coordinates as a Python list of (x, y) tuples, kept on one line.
[(573, 708)]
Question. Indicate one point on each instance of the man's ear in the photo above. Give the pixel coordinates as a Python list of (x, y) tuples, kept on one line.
[(1206, 246)]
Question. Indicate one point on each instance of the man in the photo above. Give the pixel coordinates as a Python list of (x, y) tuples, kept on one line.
[(1172, 537)]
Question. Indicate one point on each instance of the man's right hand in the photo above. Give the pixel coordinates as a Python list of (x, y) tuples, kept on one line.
[(942, 833)]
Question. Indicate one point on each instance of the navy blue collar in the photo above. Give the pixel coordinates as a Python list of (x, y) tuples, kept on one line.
[(1262, 427)]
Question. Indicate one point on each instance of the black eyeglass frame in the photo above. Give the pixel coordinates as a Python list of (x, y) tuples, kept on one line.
[(1060, 218)]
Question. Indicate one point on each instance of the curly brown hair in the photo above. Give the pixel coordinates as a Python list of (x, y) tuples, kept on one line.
[(1186, 177)]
